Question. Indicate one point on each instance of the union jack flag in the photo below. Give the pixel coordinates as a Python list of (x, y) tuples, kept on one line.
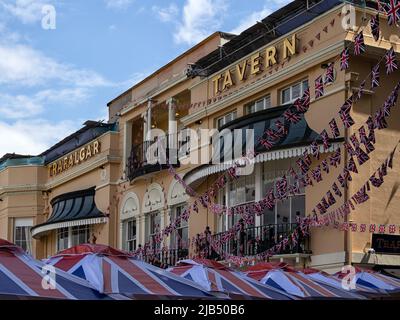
[(369, 147), (392, 228), (354, 141), (325, 139), (292, 172), (319, 87), (315, 149), (391, 63), (281, 188), (346, 107), (330, 73), (325, 166), (321, 208), (349, 148), (379, 120), (272, 134), (372, 228), (331, 198), (270, 203), (306, 98), (344, 59), (346, 119), (291, 116), (342, 181), (375, 77), (316, 174), (307, 158), (336, 190), (267, 144), (334, 159), (359, 45), (351, 165), (376, 182), (334, 128), (360, 91), (363, 227), (375, 27), (393, 11), (302, 166), (325, 203), (282, 130), (351, 205), (307, 180), (299, 105)]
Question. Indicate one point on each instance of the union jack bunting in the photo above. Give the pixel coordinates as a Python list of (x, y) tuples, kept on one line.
[(351, 166), (346, 119), (316, 174), (302, 166), (307, 158), (325, 166), (349, 149), (346, 107), (361, 196), (331, 198), (195, 207), (334, 128), (376, 182), (393, 11), (375, 27), (359, 45), (315, 149), (372, 228), (325, 139), (281, 188), (342, 181), (360, 91), (390, 63), (344, 59), (291, 116), (347, 174), (306, 98), (319, 87), (354, 140), (272, 134), (267, 144), (282, 130), (334, 159), (392, 228), (363, 227), (351, 205), (307, 181), (336, 190), (270, 203), (375, 76), (321, 208), (300, 106), (325, 203), (353, 227), (368, 186), (369, 147), (292, 172), (330, 73), (379, 120), (382, 228)]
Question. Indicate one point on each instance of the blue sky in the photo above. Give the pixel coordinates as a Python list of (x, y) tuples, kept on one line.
[(51, 81)]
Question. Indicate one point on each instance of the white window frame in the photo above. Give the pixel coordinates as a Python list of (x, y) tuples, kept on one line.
[(24, 223), (252, 107), (232, 115), (70, 243), (183, 225), (126, 238), (302, 90)]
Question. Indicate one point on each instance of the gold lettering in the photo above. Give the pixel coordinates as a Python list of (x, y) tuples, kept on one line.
[(270, 57), (255, 63), (89, 152), (215, 81), (241, 70), (70, 161), (76, 157), (96, 147), (82, 154), (59, 167), (65, 163), (54, 169), (289, 48), (227, 80)]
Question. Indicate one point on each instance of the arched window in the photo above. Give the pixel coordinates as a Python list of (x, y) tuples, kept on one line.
[(128, 218)]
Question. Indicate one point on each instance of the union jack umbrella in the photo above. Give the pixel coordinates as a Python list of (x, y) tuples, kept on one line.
[(319, 87), (336, 190), (330, 73), (114, 271), (375, 27), (219, 279), (344, 59), (296, 283), (334, 128), (22, 276), (375, 76), (359, 45), (392, 9), (390, 63)]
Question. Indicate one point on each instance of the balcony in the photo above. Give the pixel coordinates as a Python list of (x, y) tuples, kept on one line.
[(166, 257), (261, 238), (149, 157)]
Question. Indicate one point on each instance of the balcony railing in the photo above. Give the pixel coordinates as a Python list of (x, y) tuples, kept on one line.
[(149, 156), (165, 258), (259, 239)]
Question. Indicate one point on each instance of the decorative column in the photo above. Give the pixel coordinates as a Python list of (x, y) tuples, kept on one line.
[(127, 145), (172, 132), (258, 188), (149, 106)]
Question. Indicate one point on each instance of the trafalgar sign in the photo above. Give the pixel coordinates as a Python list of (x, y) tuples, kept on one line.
[(74, 158)]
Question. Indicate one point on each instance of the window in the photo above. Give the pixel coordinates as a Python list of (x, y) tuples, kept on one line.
[(62, 239), (153, 220), (261, 104), (129, 235), (73, 236), (290, 94), (80, 234), (180, 237), (22, 234), (226, 118)]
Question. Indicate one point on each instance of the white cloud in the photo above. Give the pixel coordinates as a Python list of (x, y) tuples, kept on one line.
[(33, 136), (166, 14), (27, 11), (118, 4), (200, 18), (23, 65), (23, 106)]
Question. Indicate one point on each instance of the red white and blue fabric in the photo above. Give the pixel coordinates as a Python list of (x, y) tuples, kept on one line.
[(297, 284), (334, 128), (359, 45), (375, 76), (215, 277), (344, 59), (373, 280), (392, 9), (114, 271), (21, 276), (375, 27), (330, 73), (319, 87), (390, 61)]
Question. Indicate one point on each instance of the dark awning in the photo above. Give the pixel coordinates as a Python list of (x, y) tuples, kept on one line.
[(71, 209)]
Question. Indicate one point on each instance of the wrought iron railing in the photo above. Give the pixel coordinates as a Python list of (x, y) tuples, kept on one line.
[(259, 239), (165, 258)]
